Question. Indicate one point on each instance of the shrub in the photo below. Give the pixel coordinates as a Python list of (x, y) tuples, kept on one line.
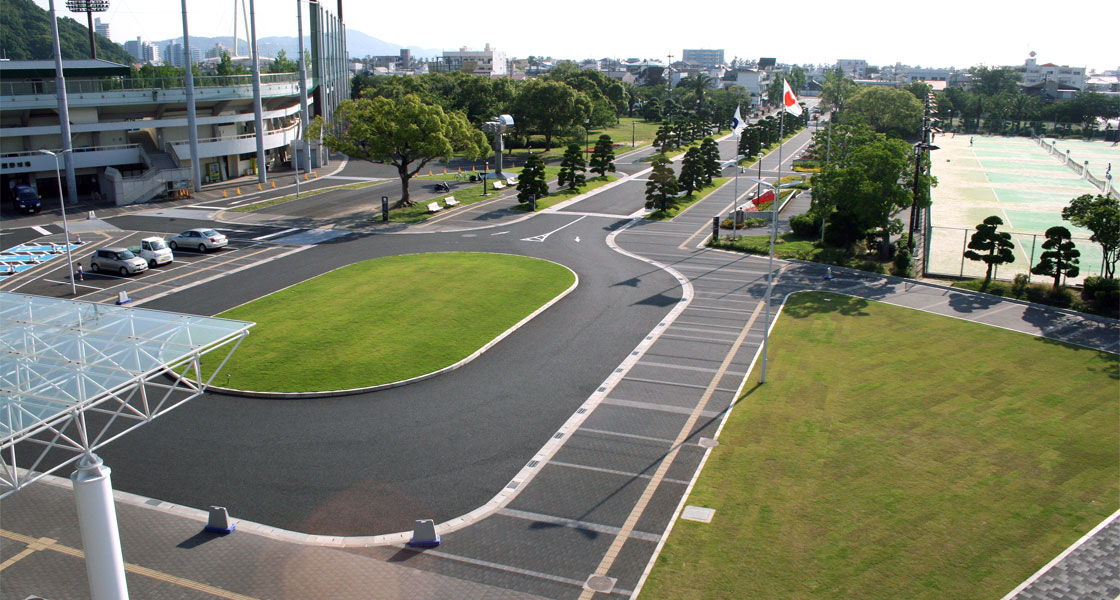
[(902, 262), (871, 266), (1103, 295), (1020, 285), (747, 223), (805, 225)]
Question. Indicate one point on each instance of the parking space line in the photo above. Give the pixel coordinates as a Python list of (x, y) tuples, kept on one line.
[(556, 463), (40, 230), (272, 235), (574, 524), (220, 275)]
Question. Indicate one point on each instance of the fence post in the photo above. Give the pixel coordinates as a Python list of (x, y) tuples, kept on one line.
[(964, 248), (1030, 263)]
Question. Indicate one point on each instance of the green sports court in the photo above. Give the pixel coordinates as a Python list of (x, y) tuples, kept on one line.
[(1024, 184)]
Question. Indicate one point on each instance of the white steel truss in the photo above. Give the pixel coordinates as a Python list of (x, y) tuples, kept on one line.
[(75, 376)]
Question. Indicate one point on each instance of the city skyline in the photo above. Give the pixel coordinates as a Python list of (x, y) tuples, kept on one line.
[(880, 33)]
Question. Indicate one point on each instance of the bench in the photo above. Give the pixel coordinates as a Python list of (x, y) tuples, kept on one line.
[(450, 201), (434, 207), (498, 185), (511, 181)]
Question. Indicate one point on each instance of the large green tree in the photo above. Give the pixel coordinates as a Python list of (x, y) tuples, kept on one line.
[(1059, 256), (25, 34), (993, 81), (1100, 215), (662, 188), (692, 171), (547, 107), (283, 64), (894, 112), (836, 89), (406, 133), (990, 246)]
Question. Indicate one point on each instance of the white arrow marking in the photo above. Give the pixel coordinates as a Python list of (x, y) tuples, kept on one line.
[(544, 236), (577, 239)]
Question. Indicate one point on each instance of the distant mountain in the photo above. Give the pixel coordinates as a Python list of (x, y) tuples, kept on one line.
[(25, 34), (358, 45)]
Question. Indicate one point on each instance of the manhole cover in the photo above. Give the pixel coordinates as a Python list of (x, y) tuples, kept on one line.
[(600, 583), (698, 513), (707, 443)]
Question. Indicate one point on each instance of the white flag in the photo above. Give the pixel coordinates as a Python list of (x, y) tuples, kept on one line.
[(737, 122), (789, 101)]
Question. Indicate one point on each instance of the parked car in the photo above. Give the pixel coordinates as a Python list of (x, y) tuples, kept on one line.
[(26, 199), (200, 239), (121, 260), (153, 250)]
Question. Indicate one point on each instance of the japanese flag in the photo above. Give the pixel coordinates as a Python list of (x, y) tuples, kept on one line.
[(789, 101), (737, 122)]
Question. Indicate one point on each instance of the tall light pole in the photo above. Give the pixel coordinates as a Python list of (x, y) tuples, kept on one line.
[(89, 7), (63, 110), (65, 226)]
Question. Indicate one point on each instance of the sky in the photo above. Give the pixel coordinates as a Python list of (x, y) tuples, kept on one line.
[(949, 33)]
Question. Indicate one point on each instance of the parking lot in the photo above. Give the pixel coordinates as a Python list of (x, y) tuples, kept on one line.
[(189, 268)]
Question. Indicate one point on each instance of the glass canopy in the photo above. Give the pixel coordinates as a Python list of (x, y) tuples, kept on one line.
[(77, 375)]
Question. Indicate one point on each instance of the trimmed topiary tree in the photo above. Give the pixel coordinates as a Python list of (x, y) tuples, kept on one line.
[(572, 168), (1060, 256), (602, 157), (531, 181), (990, 246)]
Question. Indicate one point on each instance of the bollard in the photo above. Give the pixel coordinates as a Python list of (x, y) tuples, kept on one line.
[(122, 298), (259, 187), (429, 172), (460, 169), (91, 216), (305, 176), (445, 170), (219, 521), (315, 174), (424, 534), (828, 274)]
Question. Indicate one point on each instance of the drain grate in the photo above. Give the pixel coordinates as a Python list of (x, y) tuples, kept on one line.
[(600, 583)]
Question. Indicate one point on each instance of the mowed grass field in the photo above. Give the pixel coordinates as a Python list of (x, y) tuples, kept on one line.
[(385, 320), (898, 454)]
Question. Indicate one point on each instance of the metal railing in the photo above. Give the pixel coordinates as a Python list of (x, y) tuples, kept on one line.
[(94, 86), (75, 150)]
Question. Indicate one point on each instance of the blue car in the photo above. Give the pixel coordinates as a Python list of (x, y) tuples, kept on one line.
[(26, 199)]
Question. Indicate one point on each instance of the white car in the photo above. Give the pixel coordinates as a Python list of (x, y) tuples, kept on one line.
[(200, 239), (154, 250)]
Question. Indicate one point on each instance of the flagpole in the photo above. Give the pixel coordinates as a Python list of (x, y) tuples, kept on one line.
[(773, 235)]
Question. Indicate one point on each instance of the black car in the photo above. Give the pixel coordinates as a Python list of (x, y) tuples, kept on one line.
[(26, 199)]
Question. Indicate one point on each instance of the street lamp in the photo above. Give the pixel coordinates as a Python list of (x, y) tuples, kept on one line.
[(586, 134), (770, 270), (65, 226)]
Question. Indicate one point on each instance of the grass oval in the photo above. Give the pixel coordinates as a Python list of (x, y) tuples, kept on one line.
[(385, 320)]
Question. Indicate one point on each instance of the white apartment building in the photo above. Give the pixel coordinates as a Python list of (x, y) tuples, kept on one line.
[(1065, 75), (488, 61), (100, 28), (702, 57), (853, 68)]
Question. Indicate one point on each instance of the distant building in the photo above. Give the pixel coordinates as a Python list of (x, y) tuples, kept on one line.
[(101, 29), (135, 48), (905, 74), (175, 55), (217, 51), (853, 68), (703, 58), (1034, 73), (487, 61)]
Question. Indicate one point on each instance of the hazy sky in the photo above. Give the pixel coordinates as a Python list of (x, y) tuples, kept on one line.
[(948, 33)]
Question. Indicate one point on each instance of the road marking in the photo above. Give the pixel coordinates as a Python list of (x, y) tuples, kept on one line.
[(577, 239), (272, 235), (40, 230), (662, 469), (68, 283), (573, 523), (544, 236), (223, 274), (500, 233), (50, 544)]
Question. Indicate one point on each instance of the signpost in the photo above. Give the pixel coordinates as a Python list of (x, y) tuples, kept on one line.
[(385, 209)]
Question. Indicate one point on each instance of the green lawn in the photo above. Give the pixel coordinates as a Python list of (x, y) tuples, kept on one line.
[(628, 129), (871, 466), (687, 201), (385, 320)]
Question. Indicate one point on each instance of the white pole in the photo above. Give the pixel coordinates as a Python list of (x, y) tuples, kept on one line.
[(303, 116), (258, 118), (97, 519), (735, 211), (773, 235), (192, 118), (65, 225), (63, 112)]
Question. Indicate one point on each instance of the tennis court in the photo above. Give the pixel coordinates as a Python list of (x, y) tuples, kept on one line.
[(1016, 180)]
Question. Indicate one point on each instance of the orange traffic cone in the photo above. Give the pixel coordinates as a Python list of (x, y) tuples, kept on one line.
[(259, 187), (460, 170), (445, 170), (225, 194), (238, 191), (429, 172), (472, 168), (273, 185)]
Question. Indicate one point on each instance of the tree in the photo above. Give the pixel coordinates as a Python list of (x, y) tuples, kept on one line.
[(531, 181), (546, 107), (992, 81), (572, 167), (406, 133), (713, 166), (920, 89), (836, 89), (894, 112), (283, 64), (602, 157), (227, 67), (996, 244), (692, 171), (1059, 256), (661, 189), (1100, 215), (699, 83)]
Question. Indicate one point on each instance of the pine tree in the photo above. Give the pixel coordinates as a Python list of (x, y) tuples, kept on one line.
[(713, 167), (692, 171), (602, 157), (572, 168), (996, 244), (1060, 256), (661, 189), (531, 182)]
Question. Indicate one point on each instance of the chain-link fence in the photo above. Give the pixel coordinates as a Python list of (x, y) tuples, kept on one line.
[(947, 246)]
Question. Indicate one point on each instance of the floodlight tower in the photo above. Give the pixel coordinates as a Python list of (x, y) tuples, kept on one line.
[(89, 7)]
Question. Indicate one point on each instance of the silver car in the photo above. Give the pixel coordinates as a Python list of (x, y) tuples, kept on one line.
[(200, 239), (120, 260)]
